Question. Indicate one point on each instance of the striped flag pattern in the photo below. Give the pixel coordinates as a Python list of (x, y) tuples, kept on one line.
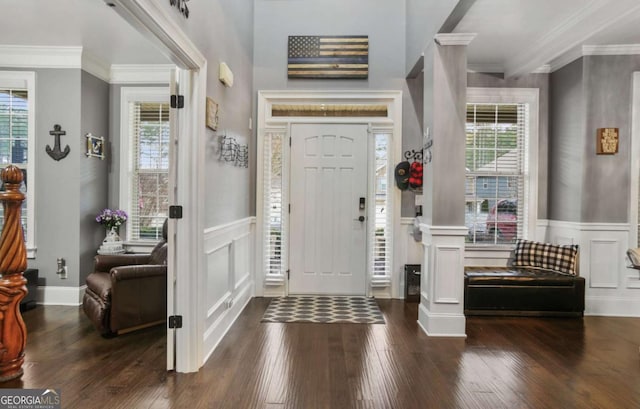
[(328, 57)]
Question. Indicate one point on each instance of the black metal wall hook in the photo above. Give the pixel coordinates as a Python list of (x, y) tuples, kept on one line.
[(414, 155)]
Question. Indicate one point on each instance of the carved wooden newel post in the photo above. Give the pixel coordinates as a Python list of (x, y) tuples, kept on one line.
[(13, 262)]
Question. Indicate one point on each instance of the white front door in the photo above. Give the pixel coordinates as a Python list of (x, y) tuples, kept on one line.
[(328, 224)]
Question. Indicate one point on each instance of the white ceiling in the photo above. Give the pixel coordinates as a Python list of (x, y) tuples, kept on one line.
[(520, 36), (102, 33), (513, 36)]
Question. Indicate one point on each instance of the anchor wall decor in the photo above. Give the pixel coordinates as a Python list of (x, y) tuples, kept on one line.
[(56, 153)]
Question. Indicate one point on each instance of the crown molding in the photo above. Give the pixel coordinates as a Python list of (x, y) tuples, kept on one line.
[(454, 38), (96, 67), (566, 58), (141, 73), (20, 56), (579, 52), (595, 16), (613, 49), (488, 68), (544, 69)]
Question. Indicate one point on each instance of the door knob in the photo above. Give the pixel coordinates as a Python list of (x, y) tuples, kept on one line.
[(361, 218)]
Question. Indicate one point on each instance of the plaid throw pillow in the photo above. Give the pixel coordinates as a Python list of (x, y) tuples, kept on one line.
[(548, 256)]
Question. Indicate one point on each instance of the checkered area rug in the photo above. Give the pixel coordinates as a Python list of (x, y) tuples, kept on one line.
[(355, 310)]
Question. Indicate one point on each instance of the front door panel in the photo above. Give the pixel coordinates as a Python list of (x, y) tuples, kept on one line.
[(328, 229)]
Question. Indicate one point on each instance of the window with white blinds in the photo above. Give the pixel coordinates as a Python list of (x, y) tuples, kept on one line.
[(144, 162), (274, 229), (381, 246), (496, 146), (17, 136), (150, 153)]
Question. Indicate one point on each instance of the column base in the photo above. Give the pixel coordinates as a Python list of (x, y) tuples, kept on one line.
[(441, 325)]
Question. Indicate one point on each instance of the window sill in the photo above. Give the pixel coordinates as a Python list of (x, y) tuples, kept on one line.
[(490, 247), (139, 246)]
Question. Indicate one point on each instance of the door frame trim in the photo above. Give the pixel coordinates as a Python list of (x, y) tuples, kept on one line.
[(155, 22), (277, 285)]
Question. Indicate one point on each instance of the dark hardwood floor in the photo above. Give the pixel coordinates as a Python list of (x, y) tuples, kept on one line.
[(503, 363)]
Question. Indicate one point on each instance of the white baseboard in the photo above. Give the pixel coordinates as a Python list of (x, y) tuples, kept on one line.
[(612, 306), (54, 295)]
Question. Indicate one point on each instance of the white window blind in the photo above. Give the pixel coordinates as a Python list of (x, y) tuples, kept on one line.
[(17, 141), (274, 229), (496, 138), (150, 169), (14, 144), (381, 246)]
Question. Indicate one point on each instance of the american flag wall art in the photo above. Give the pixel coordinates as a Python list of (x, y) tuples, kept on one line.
[(328, 57)]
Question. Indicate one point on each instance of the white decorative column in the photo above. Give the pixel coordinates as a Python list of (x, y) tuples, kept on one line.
[(441, 311), (441, 288)]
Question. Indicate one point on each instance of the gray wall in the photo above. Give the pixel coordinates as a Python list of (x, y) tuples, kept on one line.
[(223, 32), (57, 190), (93, 171), (608, 82), (590, 93), (566, 142), (540, 81), (69, 192), (423, 20)]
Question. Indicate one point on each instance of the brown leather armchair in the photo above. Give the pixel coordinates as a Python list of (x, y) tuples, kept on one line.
[(128, 291)]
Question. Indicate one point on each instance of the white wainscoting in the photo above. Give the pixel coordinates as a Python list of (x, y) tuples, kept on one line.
[(229, 277), (612, 289)]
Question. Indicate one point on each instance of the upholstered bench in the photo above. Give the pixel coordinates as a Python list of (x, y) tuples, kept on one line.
[(528, 286)]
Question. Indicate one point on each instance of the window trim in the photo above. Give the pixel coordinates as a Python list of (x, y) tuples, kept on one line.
[(634, 193), (392, 123), (477, 95), (127, 96), (27, 80)]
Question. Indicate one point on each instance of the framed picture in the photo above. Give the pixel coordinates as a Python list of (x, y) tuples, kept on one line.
[(95, 146), (212, 114), (608, 141)]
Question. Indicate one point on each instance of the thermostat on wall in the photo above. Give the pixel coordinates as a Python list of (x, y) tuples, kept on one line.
[(225, 75)]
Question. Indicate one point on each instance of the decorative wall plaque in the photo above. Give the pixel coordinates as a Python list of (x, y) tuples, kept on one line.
[(95, 146), (212, 114), (328, 57), (608, 141), (56, 153)]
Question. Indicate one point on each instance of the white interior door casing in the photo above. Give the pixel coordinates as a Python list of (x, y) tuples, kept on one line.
[(327, 239)]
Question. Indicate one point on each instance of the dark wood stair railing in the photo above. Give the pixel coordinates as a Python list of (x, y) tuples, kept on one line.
[(13, 262)]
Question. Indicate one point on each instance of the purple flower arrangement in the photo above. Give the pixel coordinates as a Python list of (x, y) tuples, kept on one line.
[(112, 218)]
